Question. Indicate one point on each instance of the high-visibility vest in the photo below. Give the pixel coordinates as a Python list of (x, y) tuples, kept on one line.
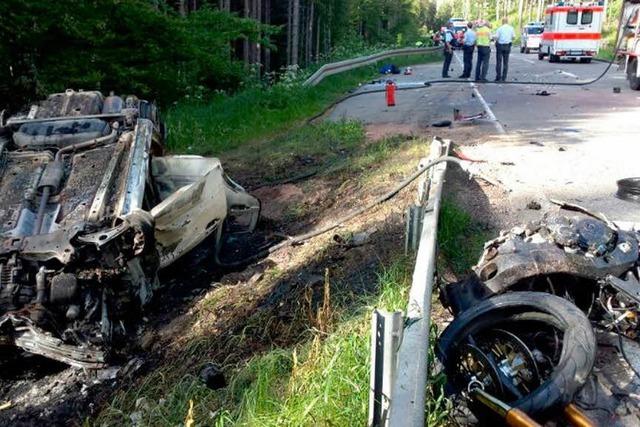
[(483, 35)]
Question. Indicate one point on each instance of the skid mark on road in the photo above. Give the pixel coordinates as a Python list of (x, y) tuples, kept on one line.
[(486, 107)]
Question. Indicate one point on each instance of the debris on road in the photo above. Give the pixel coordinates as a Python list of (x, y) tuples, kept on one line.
[(459, 117), (442, 124), (616, 89), (542, 280), (534, 205), (629, 189), (543, 93), (538, 143)]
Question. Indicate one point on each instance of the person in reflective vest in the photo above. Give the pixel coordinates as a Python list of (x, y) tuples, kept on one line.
[(483, 41), (447, 51)]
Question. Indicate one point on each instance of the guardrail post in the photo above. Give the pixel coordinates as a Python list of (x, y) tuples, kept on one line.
[(386, 334)]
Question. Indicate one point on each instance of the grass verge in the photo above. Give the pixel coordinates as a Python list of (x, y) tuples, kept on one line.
[(460, 240), (261, 113), (324, 381)]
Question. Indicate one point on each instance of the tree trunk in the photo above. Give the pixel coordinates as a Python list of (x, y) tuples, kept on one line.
[(181, 8), (316, 55), (295, 31), (245, 42), (309, 36), (267, 20), (520, 6)]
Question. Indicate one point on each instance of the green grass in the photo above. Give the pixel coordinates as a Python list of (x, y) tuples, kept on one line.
[(460, 240), (323, 381), (259, 113)]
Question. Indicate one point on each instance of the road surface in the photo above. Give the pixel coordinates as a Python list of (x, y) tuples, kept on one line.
[(573, 144)]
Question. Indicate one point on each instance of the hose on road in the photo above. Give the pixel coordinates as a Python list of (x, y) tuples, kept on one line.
[(359, 211), (428, 83)]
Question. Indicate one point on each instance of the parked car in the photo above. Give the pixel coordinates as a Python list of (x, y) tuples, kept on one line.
[(90, 211), (531, 37)]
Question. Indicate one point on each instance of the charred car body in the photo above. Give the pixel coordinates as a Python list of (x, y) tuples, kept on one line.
[(523, 327), (90, 212)]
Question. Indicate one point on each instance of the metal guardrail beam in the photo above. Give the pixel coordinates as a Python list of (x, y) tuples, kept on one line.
[(407, 406), (339, 67)]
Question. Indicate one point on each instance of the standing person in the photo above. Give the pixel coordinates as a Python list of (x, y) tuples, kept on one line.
[(469, 45), (483, 41), (448, 50), (504, 39)]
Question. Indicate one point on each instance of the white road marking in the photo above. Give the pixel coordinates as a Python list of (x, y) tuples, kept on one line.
[(524, 59), (568, 74), (486, 107)]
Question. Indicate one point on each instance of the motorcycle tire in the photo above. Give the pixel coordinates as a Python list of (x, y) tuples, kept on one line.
[(578, 343)]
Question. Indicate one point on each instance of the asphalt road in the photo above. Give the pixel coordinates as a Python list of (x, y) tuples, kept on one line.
[(573, 144)]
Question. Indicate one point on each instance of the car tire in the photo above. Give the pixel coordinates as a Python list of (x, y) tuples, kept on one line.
[(540, 56), (554, 58), (527, 51), (578, 349), (521, 49), (632, 74), (585, 60)]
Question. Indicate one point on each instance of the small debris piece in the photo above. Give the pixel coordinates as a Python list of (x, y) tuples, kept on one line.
[(212, 376), (442, 124), (533, 205), (543, 93), (562, 148), (5, 405), (538, 143), (616, 89)]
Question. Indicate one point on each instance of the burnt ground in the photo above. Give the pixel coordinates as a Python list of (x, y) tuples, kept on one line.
[(202, 309)]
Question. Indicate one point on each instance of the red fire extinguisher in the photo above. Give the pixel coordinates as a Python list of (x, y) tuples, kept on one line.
[(391, 93)]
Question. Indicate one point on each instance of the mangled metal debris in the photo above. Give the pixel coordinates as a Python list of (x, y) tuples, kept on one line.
[(90, 211), (523, 327)]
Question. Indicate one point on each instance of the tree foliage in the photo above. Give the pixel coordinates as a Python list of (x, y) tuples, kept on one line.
[(126, 46)]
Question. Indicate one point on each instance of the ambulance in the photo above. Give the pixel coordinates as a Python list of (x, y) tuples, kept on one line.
[(572, 31)]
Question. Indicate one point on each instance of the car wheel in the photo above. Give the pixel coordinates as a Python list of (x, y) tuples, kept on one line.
[(632, 73), (518, 321), (527, 51), (540, 56), (521, 49), (585, 60), (553, 58)]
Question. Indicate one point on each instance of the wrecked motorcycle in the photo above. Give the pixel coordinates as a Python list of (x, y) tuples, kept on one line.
[(522, 329), (90, 211)]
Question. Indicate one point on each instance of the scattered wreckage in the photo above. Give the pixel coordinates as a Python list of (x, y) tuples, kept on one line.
[(522, 331), (91, 210)]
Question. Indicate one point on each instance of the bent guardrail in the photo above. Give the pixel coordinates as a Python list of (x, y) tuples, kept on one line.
[(399, 374), (341, 66)]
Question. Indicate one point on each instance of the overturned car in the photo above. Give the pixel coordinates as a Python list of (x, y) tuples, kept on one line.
[(90, 211)]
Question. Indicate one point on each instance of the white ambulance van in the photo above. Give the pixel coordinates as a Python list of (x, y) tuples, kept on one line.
[(572, 32)]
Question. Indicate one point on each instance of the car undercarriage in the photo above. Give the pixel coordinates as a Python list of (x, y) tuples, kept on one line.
[(91, 211)]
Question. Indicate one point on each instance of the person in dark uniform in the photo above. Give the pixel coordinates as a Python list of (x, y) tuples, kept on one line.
[(469, 45), (448, 50)]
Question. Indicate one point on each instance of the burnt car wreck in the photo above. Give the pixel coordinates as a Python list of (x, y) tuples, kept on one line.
[(526, 317), (91, 210)]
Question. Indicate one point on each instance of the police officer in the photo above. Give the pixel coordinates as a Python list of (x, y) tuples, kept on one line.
[(468, 47), (448, 50), (504, 38), (483, 41)]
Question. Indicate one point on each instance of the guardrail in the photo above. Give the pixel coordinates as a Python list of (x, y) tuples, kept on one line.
[(399, 374), (339, 67)]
